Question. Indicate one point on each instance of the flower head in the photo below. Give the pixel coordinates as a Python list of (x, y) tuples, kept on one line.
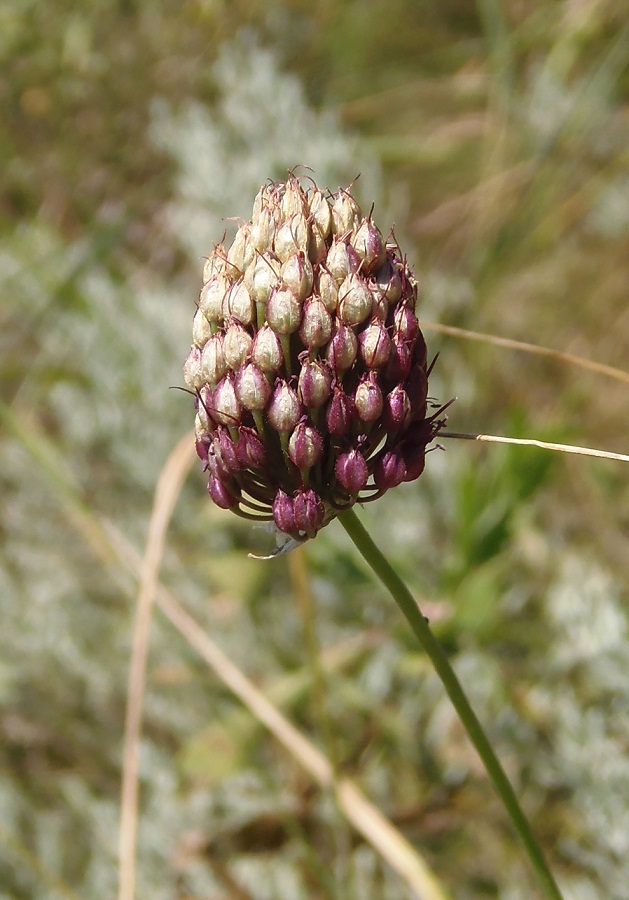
[(308, 363)]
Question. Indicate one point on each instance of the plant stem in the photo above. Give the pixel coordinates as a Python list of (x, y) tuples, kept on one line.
[(467, 716)]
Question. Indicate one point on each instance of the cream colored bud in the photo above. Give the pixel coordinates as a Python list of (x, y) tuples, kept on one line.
[(320, 212), (328, 290), (261, 277), (236, 345), (212, 298), (241, 252), (213, 363), (297, 275), (355, 300), (238, 304), (346, 214), (201, 329), (292, 237)]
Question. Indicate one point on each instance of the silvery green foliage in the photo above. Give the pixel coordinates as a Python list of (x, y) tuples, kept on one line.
[(260, 128)]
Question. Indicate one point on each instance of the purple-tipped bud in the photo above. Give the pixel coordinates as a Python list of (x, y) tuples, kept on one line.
[(284, 409), (297, 275), (225, 406), (351, 470), (375, 344), (305, 446), (368, 399), (355, 300), (221, 495), (390, 470), (340, 413), (236, 345), (342, 349), (192, 372), (252, 388), (369, 245), (415, 463), (283, 311), (396, 412), (315, 383), (309, 512), (205, 406), (284, 513), (316, 324), (266, 351), (250, 450)]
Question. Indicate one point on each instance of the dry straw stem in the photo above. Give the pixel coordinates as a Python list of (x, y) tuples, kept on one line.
[(530, 442), (167, 491), (119, 556), (535, 349)]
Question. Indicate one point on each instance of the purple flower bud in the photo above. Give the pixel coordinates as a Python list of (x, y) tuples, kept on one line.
[(396, 412), (266, 351), (342, 349), (415, 464), (355, 300), (236, 345), (309, 512), (284, 513), (369, 245), (283, 311), (225, 452), (305, 446), (351, 470), (315, 383), (222, 495), (375, 344), (400, 360), (225, 406), (250, 450), (406, 324), (390, 470), (316, 324), (368, 399), (205, 407), (252, 388), (297, 275), (389, 282), (340, 412), (284, 409), (201, 446), (416, 386)]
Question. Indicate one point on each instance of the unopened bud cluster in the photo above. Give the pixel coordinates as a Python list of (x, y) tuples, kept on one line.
[(307, 363)]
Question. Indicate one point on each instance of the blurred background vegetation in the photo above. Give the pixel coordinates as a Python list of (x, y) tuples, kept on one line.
[(495, 135)]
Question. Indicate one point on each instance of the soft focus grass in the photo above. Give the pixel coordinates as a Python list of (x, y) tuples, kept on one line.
[(495, 135)]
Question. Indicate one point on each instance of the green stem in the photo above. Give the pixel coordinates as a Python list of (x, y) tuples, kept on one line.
[(467, 716)]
